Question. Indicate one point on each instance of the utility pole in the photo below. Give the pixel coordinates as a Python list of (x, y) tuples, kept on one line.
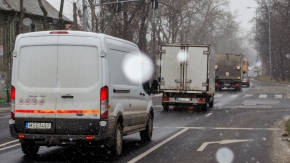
[(270, 40), (74, 27)]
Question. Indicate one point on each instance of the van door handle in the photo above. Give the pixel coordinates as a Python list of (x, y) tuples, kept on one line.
[(67, 96)]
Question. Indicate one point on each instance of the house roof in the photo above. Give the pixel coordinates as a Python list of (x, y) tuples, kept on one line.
[(31, 7)]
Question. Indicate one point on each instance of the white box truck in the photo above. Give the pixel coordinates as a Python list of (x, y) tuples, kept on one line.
[(70, 87), (186, 75)]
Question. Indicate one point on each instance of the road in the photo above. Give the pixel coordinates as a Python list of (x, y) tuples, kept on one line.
[(239, 128)]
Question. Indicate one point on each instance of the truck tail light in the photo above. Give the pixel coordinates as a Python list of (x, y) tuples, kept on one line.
[(216, 84), (12, 101), (89, 137), (201, 99), (165, 98), (21, 136), (237, 85), (104, 101)]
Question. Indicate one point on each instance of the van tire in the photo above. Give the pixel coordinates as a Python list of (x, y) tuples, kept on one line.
[(29, 148), (146, 135), (210, 104), (118, 140)]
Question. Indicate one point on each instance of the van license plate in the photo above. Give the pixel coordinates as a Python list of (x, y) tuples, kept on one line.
[(183, 99), (37, 125)]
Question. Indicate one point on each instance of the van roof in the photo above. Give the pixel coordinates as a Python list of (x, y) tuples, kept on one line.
[(72, 33)]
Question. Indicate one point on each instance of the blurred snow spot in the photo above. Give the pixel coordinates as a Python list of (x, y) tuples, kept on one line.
[(288, 56), (182, 56), (133, 71), (221, 134), (264, 138), (224, 155)]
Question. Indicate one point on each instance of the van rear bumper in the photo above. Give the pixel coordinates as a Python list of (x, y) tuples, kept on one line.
[(105, 133)]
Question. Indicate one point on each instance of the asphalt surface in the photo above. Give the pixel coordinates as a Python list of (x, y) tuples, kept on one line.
[(239, 128)]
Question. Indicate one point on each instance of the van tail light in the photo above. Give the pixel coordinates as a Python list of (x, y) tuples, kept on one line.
[(216, 84), (237, 85), (12, 101), (104, 101)]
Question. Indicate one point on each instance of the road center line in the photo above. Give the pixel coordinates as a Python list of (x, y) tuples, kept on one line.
[(9, 147), (8, 142), (224, 128), (208, 114), (157, 146)]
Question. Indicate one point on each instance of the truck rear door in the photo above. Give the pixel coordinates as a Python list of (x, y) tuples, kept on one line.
[(196, 68), (78, 85), (171, 68)]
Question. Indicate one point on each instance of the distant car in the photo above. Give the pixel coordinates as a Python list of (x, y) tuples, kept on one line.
[(246, 80)]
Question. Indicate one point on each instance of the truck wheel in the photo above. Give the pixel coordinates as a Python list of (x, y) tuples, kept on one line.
[(165, 107), (204, 107), (29, 148), (146, 135), (211, 103), (118, 140)]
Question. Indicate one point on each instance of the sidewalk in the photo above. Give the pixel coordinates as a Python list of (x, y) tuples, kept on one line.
[(5, 108)]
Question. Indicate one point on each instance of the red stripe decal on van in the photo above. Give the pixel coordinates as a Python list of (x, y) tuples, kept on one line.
[(58, 111), (78, 111), (36, 111)]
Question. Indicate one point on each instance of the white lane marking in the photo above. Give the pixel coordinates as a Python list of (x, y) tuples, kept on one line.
[(248, 95), (157, 146), (9, 147), (233, 96), (208, 114), (8, 142), (218, 95), (263, 96), (278, 96), (247, 105), (224, 128), (201, 148)]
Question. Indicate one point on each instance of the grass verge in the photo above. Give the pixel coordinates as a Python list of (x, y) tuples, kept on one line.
[(288, 127)]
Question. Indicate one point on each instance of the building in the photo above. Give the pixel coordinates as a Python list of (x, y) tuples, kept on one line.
[(10, 27)]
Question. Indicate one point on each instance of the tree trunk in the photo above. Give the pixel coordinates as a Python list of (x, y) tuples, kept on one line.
[(60, 18), (44, 19)]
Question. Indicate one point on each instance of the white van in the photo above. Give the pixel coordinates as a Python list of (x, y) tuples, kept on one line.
[(69, 87)]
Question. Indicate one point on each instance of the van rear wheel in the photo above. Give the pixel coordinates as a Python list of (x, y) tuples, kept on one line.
[(146, 135), (118, 140), (29, 148)]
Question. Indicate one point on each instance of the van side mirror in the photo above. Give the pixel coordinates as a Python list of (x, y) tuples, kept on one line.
[(146, 87)]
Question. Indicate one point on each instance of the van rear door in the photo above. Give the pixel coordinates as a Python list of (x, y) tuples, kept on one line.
[(78, 85), (34, 79)]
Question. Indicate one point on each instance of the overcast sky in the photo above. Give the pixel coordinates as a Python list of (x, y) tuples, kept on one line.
[(244, 14)]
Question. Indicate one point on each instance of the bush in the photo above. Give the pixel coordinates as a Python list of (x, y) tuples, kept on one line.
[(2, 102)]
